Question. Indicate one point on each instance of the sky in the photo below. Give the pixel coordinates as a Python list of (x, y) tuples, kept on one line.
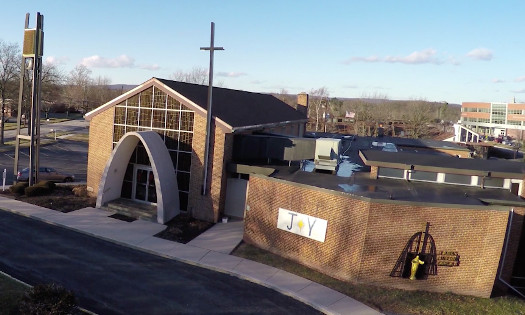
[(453, 51)]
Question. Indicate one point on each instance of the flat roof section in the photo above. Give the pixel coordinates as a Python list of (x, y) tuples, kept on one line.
[(361, 185), (424, 143), (444, 164)]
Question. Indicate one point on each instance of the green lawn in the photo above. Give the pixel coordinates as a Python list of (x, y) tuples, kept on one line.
[(391, 301), (10, 292)]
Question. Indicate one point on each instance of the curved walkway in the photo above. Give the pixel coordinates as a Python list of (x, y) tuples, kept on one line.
[(210, 250)]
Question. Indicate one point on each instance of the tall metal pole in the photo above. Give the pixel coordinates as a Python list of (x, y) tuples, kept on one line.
[(32, 52), (212, 48), (20, 101)]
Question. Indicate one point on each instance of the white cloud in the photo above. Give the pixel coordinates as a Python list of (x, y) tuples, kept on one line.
[(56, 60), (417, 57), (519, 91), (256, 82), (520, 79), (480, 54), (122, 61), (350, 86), (231, 74), (498, 80), (363, 59)]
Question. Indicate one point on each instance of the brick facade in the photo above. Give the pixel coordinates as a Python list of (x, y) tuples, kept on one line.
[(202, 207), (373, 172), (365, 238), (210, 206), (100, 148)]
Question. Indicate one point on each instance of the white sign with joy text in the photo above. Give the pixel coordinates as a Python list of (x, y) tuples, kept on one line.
[(302, 224)]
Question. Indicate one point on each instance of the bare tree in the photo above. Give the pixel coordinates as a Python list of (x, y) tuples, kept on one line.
[(79, 85), (52, 84), (363, 116), (286, 97), (318, 105), (197, 75), (10, 56), (101, 92), (418, 115)]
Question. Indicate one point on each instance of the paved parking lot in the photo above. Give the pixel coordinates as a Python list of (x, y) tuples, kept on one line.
[(65, 156)]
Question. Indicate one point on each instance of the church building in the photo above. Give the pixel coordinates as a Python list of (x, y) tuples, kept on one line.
[(147, 146)]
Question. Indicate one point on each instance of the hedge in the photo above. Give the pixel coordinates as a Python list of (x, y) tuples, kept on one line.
[(18, 188)]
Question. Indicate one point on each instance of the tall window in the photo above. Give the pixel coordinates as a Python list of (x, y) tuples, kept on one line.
[(498, 113), (152, 109)]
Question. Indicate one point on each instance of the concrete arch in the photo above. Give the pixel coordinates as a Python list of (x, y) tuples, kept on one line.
[(165, 178)]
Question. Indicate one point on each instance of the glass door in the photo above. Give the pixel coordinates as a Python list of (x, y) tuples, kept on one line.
[(144, 184)]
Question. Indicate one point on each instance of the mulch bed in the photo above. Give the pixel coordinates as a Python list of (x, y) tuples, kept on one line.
[(180, 229), (183, 229), (62, 199)]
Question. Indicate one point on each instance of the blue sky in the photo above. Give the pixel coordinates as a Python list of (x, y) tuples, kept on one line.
[(450, 51)]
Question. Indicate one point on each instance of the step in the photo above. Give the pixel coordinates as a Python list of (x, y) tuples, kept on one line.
[(133, 209)]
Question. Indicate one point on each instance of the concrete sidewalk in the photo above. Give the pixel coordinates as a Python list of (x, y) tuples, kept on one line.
[(210, 250)]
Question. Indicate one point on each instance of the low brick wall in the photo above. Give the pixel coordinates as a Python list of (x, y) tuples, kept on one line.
[(364, 238)]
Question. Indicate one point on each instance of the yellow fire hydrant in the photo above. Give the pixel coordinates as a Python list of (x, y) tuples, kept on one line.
[(415, 264)]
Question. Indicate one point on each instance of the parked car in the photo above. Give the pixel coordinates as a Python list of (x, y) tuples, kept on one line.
[(46, 173)]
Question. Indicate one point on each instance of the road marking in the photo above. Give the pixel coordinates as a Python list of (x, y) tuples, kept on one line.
[(62, 148), (12, 157)]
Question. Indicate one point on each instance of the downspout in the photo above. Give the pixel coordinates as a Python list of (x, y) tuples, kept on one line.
[(509, 227)]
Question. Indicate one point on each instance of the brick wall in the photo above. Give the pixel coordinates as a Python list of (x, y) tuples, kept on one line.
[(100, 148), (210, 206), (365, 238), (373, 172)]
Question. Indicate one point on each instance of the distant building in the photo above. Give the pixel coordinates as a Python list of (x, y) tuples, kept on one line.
[(494, 119)]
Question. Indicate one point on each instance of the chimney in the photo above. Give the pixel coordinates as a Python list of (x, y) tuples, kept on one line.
[(302, 103)]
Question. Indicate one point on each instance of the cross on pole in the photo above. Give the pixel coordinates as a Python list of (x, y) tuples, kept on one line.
[(212, 49)]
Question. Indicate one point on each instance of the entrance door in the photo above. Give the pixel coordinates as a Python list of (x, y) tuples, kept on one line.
[(144, 184), (236, 191)]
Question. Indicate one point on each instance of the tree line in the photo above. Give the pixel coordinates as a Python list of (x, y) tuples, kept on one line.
[(76, 91), (370, 114)]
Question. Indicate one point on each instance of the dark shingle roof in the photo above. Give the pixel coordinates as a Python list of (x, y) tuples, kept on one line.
[(238, 108)]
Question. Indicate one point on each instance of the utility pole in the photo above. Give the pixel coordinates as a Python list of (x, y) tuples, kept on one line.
[(33, 50), (212, 49)]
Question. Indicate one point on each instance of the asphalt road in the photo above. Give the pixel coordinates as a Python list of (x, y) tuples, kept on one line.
[(112, 279)]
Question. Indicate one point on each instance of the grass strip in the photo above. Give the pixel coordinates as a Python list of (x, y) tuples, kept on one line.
[(389, 300), (10, 293)]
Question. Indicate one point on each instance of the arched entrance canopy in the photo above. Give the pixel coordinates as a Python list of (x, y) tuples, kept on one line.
[(161, 164)]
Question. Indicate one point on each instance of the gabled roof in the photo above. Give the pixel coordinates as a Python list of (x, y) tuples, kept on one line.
[(234, 108), (445, 164)]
